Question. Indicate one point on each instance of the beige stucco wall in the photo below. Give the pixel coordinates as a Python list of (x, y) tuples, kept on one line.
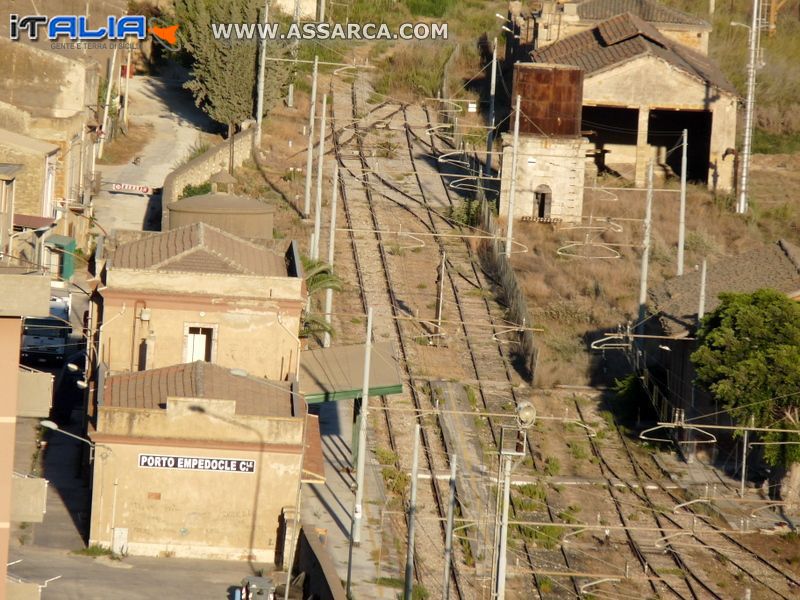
[(249, 335), (653, 83), (289, 288), (558, 163), (192, 513), (42, 82), (30, 181)]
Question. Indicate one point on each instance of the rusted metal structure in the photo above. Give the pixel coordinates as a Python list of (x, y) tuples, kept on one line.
[(551, 98)]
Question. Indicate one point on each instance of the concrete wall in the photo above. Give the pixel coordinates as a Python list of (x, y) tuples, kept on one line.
[(199, 169), (42, 82), (242, 286), (30, 181), (192, 513), (652, 83), (558, 163), (308, 8), (248, 334)]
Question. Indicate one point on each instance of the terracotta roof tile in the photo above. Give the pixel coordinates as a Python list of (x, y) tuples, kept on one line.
[(198, 248), (676, 300), (623, 38), (150, 389), (596, 10)]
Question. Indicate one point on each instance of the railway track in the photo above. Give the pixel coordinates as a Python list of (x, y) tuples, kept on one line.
[(767, 579), (376, 280), (419, 201)]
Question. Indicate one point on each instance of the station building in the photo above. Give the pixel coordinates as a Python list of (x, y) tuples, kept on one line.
[(198, 460)]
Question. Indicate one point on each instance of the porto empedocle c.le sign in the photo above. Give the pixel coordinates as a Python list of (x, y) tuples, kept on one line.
[(196, 463)]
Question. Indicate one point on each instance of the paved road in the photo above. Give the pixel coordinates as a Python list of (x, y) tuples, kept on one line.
[(176, 125), (133, 578)]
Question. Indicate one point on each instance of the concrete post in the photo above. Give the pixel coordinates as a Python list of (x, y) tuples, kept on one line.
[(320, 160), (646, 252), (331, 243), (513, 188), (682, 213), (448, 538), (642, 149), (362, 437), (501, 555), (412, 510), (310, 150), (262, 64)]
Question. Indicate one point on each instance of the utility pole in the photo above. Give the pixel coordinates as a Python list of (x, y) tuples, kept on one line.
[(500, 589), (701, 309), (513, 189), (744, 456), (741, 205), (440, 296), (321, 11), (262, 63), (682, 216), (310, 151), (331, 241), (487, 167), (127, 80), (412, 510), (318, 205), (646, 252), (355, 538), (295, 21), (110, 84), (448, 537)]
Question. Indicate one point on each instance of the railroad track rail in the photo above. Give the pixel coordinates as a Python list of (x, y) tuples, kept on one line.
[(421, 201), (767, 579)]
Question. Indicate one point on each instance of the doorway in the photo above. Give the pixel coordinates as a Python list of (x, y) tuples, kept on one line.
[(542, 202)]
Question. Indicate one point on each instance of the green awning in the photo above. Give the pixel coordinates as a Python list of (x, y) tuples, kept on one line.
[(337, 373), (68, 246)]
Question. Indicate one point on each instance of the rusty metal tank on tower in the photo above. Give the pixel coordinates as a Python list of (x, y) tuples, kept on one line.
[(552, 96)]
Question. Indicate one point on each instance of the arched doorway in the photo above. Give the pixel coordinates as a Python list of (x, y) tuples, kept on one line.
[(542, 202)]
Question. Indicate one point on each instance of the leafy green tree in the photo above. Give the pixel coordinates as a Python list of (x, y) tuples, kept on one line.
[(749, 359), (224, 72), (319, 276)]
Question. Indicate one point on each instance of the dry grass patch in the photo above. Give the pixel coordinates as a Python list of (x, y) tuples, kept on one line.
[(125, 147)]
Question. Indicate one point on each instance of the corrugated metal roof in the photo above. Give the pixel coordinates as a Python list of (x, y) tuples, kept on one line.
[(150, 389), (623, 38), (596, 10), (676, 300), (199, 248)]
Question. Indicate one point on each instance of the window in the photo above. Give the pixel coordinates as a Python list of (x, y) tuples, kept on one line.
[(199, 342)]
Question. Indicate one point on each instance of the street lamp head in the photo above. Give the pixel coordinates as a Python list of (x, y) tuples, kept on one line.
[(49, 424), (73, 368), (526, 414), (82, 384)]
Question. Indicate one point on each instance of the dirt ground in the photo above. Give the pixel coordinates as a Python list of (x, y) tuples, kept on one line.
[(584, 280)]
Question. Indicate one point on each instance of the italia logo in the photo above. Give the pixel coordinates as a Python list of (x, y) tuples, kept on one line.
[(76, 28)]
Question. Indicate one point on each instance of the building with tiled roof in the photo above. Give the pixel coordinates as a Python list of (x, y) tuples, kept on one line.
[(640, 91), (200, 461), (563, 19), (675, 304), (676, 301), (199, 293)]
